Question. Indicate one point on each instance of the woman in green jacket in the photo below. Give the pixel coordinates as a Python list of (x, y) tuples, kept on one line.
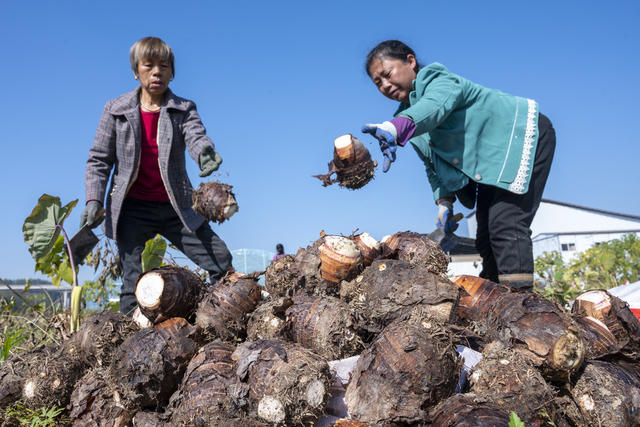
[(481, 146)]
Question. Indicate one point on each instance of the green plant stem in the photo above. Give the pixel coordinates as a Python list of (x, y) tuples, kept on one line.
[(73, 265), (76, 291)]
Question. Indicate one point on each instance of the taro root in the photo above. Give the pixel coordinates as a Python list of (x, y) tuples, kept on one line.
[(607, 395), (140, 319), (511, 382), (336, 260), (468, 409), (13, 371), (210, 391), (148, 419), (11, 381), (410, 367), (340, 259), (279, 279), (94, 402), (351, 163), (166, 292), (388, 288), (99, 336), (535, 326), (615, 314), (223, 310), (50, 375), (541, 331), (369, 247), (598, 339), (148, 366), (307, 270), (215, 201), (288, 384), (324, 325), (267, 321), (478, 295), (416, 249)]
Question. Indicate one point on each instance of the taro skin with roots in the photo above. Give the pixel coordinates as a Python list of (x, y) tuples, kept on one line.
[(215, 201), (166, 292), (351, 163)]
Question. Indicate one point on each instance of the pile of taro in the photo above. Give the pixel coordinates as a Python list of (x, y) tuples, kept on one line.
[(348, 331)]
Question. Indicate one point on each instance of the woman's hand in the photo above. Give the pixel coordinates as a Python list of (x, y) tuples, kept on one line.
[(446, 219), (209, 161), (386, 135), (92, 215)]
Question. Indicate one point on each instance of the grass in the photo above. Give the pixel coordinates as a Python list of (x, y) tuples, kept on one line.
[(25, 327), (41, 417)]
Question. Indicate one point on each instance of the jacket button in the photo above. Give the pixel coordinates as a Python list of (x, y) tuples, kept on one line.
[(478, 177), (455, 161)]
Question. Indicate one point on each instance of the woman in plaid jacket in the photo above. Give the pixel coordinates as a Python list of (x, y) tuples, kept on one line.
[(140, 143)]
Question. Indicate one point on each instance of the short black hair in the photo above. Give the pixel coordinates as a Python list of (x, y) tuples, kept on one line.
[(280, 248), (390, 49)]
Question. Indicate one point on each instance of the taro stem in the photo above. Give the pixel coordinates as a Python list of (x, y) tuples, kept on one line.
[(76, 291)]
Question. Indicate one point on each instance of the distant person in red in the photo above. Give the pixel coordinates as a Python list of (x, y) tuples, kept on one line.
[(279, 252), (140, 144)]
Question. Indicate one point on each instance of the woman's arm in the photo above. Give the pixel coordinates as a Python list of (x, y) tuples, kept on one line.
[(195, 134), (102, 156)]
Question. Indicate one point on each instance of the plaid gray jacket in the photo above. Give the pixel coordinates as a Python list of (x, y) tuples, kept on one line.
[(117, 147)]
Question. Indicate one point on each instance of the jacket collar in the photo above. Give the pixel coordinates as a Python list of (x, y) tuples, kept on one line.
[(130, 102)]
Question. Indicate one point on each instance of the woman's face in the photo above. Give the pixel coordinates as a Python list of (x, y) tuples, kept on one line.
[(394, 77), (155, 75)]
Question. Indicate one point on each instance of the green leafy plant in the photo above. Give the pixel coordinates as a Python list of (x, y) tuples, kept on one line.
[(10, 339), (41, 417), (153, 254), (515, 421), (99, 292), (557, 277), (45, 235), (606, 265)]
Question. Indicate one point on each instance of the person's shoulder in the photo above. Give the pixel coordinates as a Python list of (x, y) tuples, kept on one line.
[(433, 68), (179, 103), (123, 103)]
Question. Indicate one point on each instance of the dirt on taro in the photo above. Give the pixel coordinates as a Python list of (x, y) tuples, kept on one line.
[(346, 331)]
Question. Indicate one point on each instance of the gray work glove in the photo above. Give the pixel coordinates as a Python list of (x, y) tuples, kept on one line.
[(209, 161), (92, 214)]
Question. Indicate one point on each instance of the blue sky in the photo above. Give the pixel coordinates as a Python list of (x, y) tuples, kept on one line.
[(276, 82)]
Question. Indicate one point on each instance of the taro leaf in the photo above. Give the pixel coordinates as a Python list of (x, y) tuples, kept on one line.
[(55, 264), (65, 273), (50, 262), (153, 253), (41, 229)]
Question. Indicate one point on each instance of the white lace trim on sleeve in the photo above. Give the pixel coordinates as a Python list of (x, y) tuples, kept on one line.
[(518, 184)]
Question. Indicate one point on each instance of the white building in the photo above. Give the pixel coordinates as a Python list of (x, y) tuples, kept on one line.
[(557, 226), (570, 229)]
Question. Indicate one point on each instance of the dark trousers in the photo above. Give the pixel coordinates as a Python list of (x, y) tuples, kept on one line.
[(140, 221), (504, 237)]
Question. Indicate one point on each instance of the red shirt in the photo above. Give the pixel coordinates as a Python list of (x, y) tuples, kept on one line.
[(148, 184)]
